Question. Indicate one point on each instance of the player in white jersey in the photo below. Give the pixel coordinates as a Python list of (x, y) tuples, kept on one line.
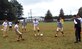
[(19, 34), (5, 27), (10, 25), (36, 27)]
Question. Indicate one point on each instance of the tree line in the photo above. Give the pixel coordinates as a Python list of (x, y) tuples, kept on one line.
[(12, 10), (49, 18)]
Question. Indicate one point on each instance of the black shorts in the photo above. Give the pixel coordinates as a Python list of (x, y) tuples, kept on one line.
[(10, 26)]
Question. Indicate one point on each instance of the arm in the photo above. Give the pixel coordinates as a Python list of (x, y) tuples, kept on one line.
[(81, 20), (75, 21)]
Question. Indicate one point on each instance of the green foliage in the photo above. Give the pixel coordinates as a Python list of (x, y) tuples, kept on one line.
[(48, 17), (10, 10), (17, 8), (3, 8), (80, 11), (65, 16), (61, 13)]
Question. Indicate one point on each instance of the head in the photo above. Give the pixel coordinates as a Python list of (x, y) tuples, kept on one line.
[(58, 19), (17, 22), (35, 19), (77, 16), (74, 16)]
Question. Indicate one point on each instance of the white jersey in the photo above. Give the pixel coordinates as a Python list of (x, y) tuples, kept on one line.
[(35, 23), (10, 23), (16, 27), (78, 19), (5, 24)]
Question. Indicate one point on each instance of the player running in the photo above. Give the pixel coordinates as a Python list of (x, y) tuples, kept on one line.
[(59, 27)]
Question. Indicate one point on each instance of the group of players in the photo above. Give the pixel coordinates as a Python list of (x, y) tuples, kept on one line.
[(77, 27), (8, 26)]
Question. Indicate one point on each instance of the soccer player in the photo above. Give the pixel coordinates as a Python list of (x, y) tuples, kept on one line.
[(19, 34), (59, 27), (24, 23), (36, 27), (5, 27), (10, 25)]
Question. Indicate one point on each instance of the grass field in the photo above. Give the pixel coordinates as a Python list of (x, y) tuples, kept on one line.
[(48, 41)]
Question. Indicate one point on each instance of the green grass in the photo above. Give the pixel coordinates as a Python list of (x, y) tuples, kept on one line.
[(48, 41)]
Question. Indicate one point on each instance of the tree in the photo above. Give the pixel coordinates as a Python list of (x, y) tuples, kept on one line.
[(61, 14), (18, 9), (80, 11), (10, 10), (48, 17), (4, 8)]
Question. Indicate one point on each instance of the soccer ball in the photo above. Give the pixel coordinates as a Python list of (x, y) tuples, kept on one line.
[(41, 34)]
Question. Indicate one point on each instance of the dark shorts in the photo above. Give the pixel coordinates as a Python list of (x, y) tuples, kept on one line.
[(10, 26)]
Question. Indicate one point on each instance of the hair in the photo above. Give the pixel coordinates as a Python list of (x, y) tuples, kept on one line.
[(58, 19), (74, 15), (16, 22)]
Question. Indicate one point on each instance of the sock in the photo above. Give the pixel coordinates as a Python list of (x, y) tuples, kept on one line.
[(62, 32), (56, 33), (38, 30)]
